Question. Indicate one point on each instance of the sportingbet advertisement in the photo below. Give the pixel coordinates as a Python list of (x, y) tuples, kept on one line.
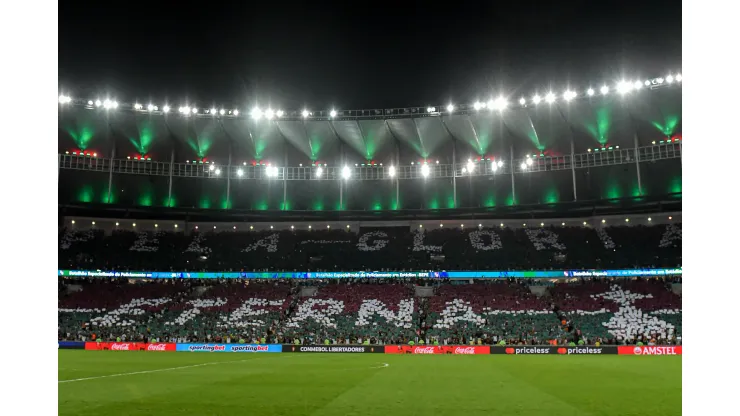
[(230, 347)]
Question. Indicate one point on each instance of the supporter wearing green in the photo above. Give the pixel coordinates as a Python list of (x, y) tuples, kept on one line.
[(326, 342)]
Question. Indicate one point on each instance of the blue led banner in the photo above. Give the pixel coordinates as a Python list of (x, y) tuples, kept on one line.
[(491, 274)]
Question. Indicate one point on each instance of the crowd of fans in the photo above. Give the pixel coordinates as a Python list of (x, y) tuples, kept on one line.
[(371, 311), (389, 248)]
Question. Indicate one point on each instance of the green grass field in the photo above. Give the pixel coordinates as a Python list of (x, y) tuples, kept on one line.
[(359, 384)]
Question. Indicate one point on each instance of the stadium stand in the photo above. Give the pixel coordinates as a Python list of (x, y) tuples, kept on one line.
[(390, 248)]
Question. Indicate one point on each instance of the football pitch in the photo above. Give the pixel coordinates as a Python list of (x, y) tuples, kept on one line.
[(295, 384)]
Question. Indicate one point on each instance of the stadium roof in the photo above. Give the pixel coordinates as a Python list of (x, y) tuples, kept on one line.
[(490, 129)]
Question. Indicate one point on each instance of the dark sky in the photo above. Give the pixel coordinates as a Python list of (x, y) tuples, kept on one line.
[(357, 54)]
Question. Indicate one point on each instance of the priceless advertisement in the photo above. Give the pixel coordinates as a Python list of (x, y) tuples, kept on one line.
[(539, 350), (650, 350), (437, 349), (352, 349), (129, 346), (230, 347), (71, 345)]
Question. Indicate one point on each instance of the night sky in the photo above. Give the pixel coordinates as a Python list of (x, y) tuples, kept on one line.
[(351, 55)]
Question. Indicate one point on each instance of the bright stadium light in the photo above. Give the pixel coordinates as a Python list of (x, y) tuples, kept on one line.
[(269, 114), (333, 113), (391, 171), (669, 79), (319, 172), (490, 104), (425, 170), (222, 111), (213, 111), (500, 163), (305, 113), (450, 108), (478, 105), (431, 110), (523, 166), (604, 90), (550, 98), (346, 172), (185, 110), (194, 110), (271, 171), (236, 112), (256, 113), (494, 167), (279, 113), (529, 161), (637, 85), (500, 104), (679, 78), (150, 107), (240, 172), (624, 87), (569, 95), (107, 104), (98, 103), (166, 109), (138, 106), (212, 167), (536, 99), (590, 92), (63, 99), (90, 102), (522, 101), (471, 166)]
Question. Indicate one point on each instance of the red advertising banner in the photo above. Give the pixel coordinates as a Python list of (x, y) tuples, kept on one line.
[(438, 349), (129, 346), (650, 350)]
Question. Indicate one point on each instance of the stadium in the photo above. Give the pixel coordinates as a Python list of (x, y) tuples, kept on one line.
[(331, 248)]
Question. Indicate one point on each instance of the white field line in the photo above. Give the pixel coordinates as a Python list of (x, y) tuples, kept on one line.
[(151, 371), (382, 366)]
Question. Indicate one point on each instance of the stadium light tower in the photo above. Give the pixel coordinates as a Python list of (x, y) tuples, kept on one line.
[(425, 170), (346, 172)]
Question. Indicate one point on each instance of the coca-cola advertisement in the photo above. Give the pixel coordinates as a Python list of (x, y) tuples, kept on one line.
[(129, 346), (437, 349)]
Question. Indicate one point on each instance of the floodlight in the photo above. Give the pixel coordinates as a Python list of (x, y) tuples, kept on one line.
[(218, 172), (346, 172), (478, 105), (305, 113), (166, 109), (269, 114), (212, 167), (90, 102), (679, 78), (522, 101), (669, 79), (425, 170), (494, 167), (500, 163), (523, 166), (213, 111), (138, 106), (222, 111), (550, 98), (194, 110), (490, 104), (391, 171), (450, 108), (240, 172), (536, 99), (150, 107), (647, 83), (319, 172), (236, 112), (637, 85), (569, 95), (256, 113), (279, 113), (529, 161), (98, 103), (333, 113), (431, 110), (590, 92), (471, 166), (604, 90), (500, 104), (624, 87)]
